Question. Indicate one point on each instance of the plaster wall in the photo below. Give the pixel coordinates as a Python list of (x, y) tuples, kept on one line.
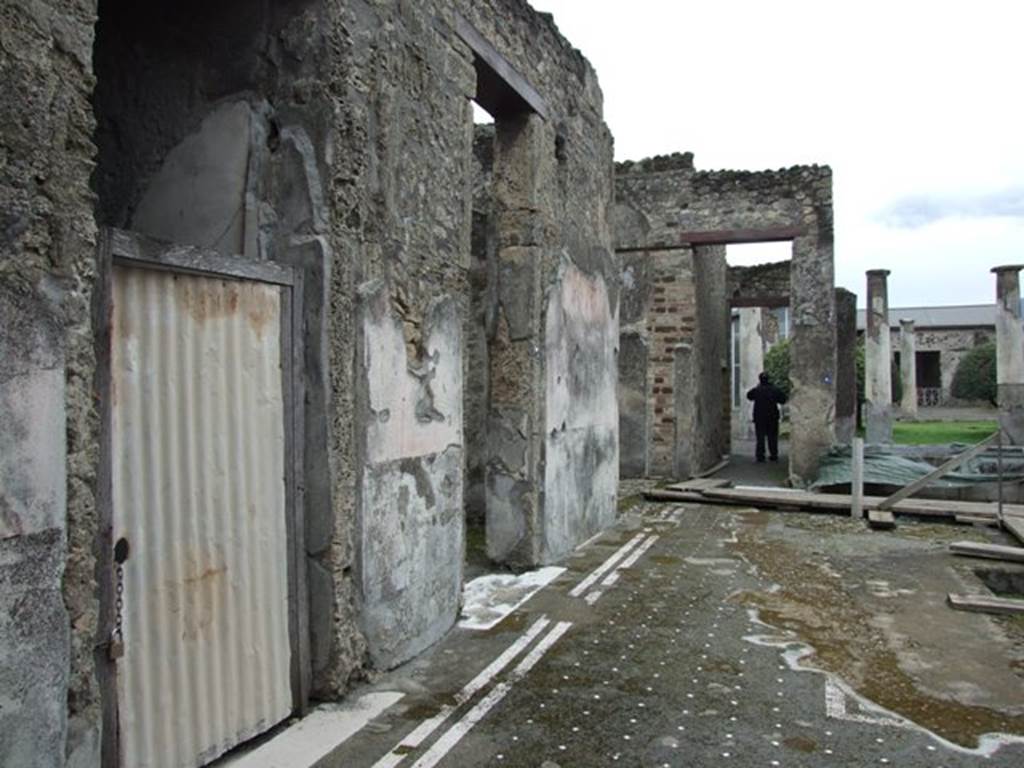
[(581, 429), (411, 512)]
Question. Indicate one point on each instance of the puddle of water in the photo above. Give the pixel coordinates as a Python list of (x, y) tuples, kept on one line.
[(843, 642)]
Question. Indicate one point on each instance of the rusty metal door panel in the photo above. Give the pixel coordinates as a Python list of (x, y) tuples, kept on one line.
[(199, 494)]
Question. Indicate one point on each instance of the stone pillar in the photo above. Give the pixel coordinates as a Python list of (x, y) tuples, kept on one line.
[(878, 360), (684, 383), (908, 369), (1010, 352), (812, 368), (846, 365), (513, 475), (751, 353)]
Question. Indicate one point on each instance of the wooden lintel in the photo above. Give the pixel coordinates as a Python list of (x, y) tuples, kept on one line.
[(501, 90), (771, 302), (738, 236)]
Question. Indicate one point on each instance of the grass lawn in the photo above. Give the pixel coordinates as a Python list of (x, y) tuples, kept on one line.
[(929, 432)]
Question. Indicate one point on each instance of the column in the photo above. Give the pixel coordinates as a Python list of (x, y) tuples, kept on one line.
[(878, 360), (846, 365), (1010, 352), (751, 363), (908, 369)]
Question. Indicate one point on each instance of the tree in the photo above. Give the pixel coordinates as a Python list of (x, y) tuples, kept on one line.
[(776, 365), (975, 377)]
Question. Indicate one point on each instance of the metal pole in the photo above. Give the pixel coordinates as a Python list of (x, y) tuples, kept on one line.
[(999, 464)]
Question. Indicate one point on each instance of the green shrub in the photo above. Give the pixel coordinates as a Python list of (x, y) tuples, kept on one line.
[(975, 377), (776, 365)]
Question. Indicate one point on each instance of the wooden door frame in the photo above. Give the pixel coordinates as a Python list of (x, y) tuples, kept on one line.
[(120, 248)]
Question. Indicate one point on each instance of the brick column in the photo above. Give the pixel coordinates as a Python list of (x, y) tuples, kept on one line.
[(1010, 352), (878, 360), (908, 369)]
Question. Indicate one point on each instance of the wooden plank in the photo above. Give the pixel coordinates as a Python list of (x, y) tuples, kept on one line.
[(700, 484), (1014, 523), (857, 480), (131, 249), (985, 604), (881, 520), (938, 472), (711, 470), (842, 502), (990, 551)]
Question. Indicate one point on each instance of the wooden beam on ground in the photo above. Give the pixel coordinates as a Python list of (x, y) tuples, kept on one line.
[(1014, 523), (985, 604), (711, 470), (881, 520), (700, 484), (989, 551), (938, 472)]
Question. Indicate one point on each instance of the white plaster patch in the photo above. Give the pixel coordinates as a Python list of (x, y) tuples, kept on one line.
[(316, 735), (489, 599)]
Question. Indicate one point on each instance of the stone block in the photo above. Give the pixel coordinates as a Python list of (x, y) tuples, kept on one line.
[(34, 651)]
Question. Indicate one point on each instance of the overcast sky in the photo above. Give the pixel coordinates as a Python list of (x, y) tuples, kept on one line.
[(918, 107)]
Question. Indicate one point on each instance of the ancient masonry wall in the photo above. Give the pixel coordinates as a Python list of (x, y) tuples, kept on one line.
[(335, 137), (551, 433), (660, 200), (49, 442)]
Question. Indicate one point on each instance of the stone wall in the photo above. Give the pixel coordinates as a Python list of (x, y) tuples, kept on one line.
[(765, 285), (335, 137), (662, 201), (551, 186), (49, 449)]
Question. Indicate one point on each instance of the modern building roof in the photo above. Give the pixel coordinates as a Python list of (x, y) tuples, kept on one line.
[(962, 316)]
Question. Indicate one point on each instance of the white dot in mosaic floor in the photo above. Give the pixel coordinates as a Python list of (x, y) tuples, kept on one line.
[(828, 751), (725, 754), (930, 748), (626, 736)]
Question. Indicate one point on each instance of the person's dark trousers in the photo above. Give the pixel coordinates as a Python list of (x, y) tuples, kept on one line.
[(767, 432)]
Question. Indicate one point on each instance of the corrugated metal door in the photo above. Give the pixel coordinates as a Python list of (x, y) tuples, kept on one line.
[(198, 480)]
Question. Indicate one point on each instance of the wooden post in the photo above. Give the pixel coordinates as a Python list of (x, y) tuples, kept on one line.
[(857, 480)]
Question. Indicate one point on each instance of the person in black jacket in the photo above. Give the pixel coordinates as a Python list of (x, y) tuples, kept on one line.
[(767, 399)]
